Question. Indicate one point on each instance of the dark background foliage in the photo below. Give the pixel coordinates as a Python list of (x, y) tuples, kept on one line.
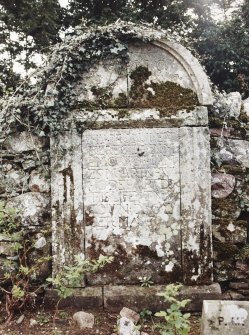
[(222, 45)]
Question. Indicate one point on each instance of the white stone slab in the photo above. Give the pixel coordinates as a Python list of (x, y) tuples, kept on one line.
[(132, 200), (225, 317)]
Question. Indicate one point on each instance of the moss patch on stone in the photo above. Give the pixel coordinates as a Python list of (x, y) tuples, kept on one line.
[(167, 96)]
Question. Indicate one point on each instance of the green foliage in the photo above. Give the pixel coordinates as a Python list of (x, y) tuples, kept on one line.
[(164, 12), (145, 314), (42, 318), (18, 277), (176, 323), (72, 276), (27, 26), (243, 253), (146, 281), (39, 25), (227, 61), (46, 106), (9, 222)]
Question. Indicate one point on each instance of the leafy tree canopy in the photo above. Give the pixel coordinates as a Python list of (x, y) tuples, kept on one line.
[(222, 46)]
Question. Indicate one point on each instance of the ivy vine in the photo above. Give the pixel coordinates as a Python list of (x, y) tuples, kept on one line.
[(43, 107)]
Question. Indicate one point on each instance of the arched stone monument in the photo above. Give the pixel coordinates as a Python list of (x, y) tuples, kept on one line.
[(135, 182)]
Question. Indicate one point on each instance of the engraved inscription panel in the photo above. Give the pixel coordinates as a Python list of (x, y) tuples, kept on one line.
[(131, 184)]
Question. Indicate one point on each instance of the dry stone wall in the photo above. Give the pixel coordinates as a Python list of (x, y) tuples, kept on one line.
[(25, 187), (229, 128), (133, 106)]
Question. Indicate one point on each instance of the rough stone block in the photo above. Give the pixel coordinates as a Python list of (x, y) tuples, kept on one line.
[(230, 233), (222, 185), (240, 151), (234, 101), (130, 314), (22, 142), (84, 320), (225, 318), (6, 248), (246, 106), (38, 183), (236, 296), (138, 298), (13, 180), (241, 271), (86, 298), (126, 327), (239, 285), (32, 207)]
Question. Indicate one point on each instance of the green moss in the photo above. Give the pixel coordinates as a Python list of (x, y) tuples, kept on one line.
[(122, 113), (167, 96), (121, 101), (140, 75)]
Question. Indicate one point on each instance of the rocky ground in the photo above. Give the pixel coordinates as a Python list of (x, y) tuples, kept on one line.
[(41, 322)]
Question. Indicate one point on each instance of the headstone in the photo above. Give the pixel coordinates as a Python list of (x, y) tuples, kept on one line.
[(225, 317), (135, 183)]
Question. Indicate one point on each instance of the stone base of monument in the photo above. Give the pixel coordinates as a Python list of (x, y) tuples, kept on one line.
[(114, 298)]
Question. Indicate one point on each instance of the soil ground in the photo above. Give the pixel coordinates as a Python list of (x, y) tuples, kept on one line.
[(105, 323)]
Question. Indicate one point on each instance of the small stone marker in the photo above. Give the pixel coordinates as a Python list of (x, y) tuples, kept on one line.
[(225, 317)]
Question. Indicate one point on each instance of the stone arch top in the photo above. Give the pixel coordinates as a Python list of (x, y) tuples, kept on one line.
[(158, 74), (192, 67)]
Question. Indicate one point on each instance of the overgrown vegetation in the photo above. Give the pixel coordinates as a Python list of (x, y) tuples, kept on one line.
[(72, 276), (18, 284), (176, 323), (45, 106)]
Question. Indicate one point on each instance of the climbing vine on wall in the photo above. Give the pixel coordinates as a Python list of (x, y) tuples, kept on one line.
[(43, 107)]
